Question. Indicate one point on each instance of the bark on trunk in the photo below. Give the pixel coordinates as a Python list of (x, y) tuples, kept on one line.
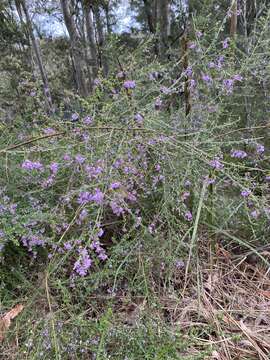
[(21, 5), (149, 15), (75, 48), (233, 24), (90, 30), (164, 26), (107, 15), (101, 41)]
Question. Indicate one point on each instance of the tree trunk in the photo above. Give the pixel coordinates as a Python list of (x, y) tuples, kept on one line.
[(163, 25), (155, 11), (90, 30), (185, 57), (101, 40), (21, 4), (87, 55), (75, 47), (106, 8), (233, 24), (184, 47), (149, 15)]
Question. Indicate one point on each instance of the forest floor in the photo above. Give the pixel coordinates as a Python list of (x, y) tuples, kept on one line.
[(217, 309)]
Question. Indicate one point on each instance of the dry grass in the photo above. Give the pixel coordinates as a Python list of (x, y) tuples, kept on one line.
[(224, 308), (228, 303)]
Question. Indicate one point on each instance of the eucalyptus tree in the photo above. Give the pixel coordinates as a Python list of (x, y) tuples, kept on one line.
[(87, 6), (25, 17), (75, 44)]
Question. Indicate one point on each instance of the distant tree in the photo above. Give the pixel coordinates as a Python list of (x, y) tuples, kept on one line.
[(145, 14), (91, 37), (21, 7), (163, 17), (150, 8), (75, 44), (233, 16), (100, 40)]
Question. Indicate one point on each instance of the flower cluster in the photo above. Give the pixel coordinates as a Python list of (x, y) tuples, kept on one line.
[(239, 154), (129, 84), (32, 165)]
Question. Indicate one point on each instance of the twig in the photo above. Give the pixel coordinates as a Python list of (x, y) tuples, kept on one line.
[(30, 141), (245, 128), (195, 230)]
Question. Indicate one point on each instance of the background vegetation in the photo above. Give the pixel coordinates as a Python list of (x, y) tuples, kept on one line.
[(134, 191)]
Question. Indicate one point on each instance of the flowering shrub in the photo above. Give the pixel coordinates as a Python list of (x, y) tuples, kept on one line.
[(128, 160)]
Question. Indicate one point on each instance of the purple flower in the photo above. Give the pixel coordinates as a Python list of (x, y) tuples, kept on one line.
[(189, 71), (207, 78), (192, 84), (13, 208), (211, 65), (209, 180), (129, 84), (31, 240), (187, 183), (48, 182), (138, 221), (267, 178), (131, 196), (84, 197), (83, 264), (93, 171), (97, 82), (100, 232), (83, 215), (139, 118), (29, 165), (66, 157), (216, 164), (220, 62), (255, 214), (179, 264), (188, 216), (165, 90), (225, 43), (117, 209), (98, 196), (228, 85), (238, 154), (88, 120), (102, 256), (120, 75), (74, 117), (158, 104), (153, 76), (152, 228), (80, 159), (245, 193), (199, 34), (185, 195), (49, 131), (230, 12), (237, 77), (260, 149), (115, 185), (67, 245), (32, 93), (192, 45), (54, 168)]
